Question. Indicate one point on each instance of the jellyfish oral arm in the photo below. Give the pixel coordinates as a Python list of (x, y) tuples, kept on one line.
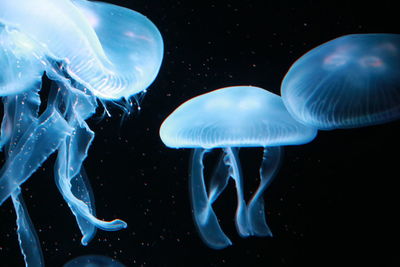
[(269, 167), (203, 214), (78, 207), (17, 119), (232, 160), (29, 140), (219, 180), (37, 144), (250, 219), (69, 174), (82, 209), (87, 228), (28, 240), (71, 154)]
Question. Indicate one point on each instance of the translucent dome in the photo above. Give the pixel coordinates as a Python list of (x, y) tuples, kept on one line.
[(113, 51), (351, 81), (239, 116)]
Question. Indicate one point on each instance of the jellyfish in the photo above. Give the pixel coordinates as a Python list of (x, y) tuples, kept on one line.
[(93, 52), (230, 118), (352, 81), (93, 261)]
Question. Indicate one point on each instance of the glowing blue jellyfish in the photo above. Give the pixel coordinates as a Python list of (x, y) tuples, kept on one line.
[(229, 118), (91, 51), (93, 261), (351, 81)]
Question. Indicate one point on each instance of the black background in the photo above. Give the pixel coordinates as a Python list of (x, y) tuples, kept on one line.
[(333, 203)]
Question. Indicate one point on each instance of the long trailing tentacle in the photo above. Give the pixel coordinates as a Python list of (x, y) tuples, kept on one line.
[(203, 214), (39, 141), (79, 207), (232, 160), (269, 167), (80, 187), (20, 111), (219, 179), (69, 173), (28, 239), (30, 139), (74, 149)]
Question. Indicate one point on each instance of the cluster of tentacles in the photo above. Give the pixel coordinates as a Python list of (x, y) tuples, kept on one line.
[(250, 217), (29, 138)]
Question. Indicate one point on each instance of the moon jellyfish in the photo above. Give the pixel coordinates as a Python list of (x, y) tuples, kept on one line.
[(230, 118), (93, 261), (351, 81), (92, 51)]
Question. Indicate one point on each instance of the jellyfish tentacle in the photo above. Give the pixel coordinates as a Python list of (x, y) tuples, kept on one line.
[(219, 180), (77, 146), (28, 239), (78, 206), (69, 173), (40, 140), (82, 189), (203, 213), (77, 187), (269, 167), (20, 111), (232, 160)]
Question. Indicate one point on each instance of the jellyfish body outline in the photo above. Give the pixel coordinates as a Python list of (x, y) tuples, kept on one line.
[(348, 82), (229, 118), (29, 138)]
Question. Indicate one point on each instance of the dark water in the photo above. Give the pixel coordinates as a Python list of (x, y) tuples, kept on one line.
[(334, 201)]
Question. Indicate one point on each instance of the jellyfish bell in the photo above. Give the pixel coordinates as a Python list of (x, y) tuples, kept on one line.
[(239, 115), (351, 81), (56, 26), (95, 43), (229, 118), (131, 42)]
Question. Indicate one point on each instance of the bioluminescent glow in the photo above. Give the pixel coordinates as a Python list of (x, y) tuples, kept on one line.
[(351, 81), (229, 118), (90, 50), (93, 261)]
